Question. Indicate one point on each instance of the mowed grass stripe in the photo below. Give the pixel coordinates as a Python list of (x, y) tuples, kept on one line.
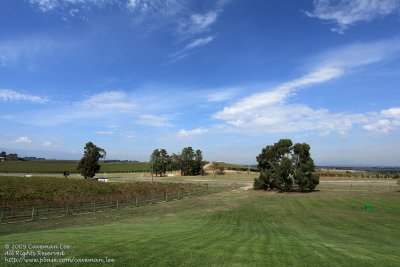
[(237, 229)]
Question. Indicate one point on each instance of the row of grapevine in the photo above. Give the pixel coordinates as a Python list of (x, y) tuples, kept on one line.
[(17, 191)]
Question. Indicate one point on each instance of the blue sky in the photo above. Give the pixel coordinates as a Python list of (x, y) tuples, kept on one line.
[(228, 77)]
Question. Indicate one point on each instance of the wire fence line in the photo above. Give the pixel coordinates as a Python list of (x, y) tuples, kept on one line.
[(366, 187), (27, 213)]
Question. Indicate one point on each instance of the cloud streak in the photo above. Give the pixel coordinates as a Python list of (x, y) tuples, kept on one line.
[(192, 27), (14, 96), (194, 132), (108, 101), (33, 52), (384, 121), (192, 45), (154, 120), (346, 13), (23, 140), (270, 112), (177, 16), (50, 5)]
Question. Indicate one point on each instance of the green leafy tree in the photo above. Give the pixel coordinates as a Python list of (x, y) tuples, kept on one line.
[(89, 164), (160, 160), (284, 165), (174, 163), (12, 156), (304, 168), (186, 161), (198, 163), (191, 162)]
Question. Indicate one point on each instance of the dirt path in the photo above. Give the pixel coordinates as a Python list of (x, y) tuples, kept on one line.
[(248, 186)]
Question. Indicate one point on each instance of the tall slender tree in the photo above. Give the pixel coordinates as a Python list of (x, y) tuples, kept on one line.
[(89, 164)]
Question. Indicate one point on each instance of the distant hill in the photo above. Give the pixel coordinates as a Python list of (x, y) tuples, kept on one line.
[(380, 169)]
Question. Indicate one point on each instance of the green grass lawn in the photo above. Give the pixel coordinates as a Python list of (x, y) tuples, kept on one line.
[(236, 228)]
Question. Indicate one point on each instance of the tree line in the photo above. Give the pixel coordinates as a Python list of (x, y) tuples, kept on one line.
[(282, 166), (10, 157), (188, 162)]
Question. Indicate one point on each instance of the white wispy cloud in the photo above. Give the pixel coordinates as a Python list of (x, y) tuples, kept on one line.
[(49, 5), (174, 15), (191, 27), (198, 23), (106, 132), (220, 95), (14, 96), (194, 132), (23, 140), (345, 13), (47, 144), (190, 46), (102, 107), (277, 95), (154, 120), (28, 52), (45, 5), (108, 102), (199, 42), (155, 9), (384, 121), (270, 112), (203, 21)]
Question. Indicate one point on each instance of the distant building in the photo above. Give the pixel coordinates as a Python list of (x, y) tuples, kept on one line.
[(2, 159)]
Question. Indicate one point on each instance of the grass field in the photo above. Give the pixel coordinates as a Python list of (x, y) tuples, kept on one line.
[(236, 228)]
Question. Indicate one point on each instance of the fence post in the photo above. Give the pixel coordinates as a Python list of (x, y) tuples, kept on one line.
[(33, 213), (2, 214), (166, 197), (179, 192), (117, 204), (94, 206), (67, 210), (136, 202)]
